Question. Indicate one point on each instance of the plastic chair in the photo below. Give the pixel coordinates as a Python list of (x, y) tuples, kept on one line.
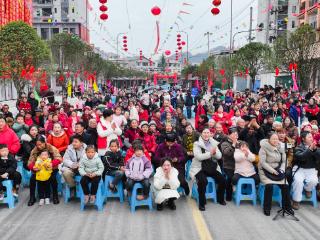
[(66, 189), (9, 198), (109, 194), (180, 190), (276, 194), (211, 192), (240, 195), (99, 197), (188, 166), (59, 181), (313, 198), (133, 202), (25, 174)]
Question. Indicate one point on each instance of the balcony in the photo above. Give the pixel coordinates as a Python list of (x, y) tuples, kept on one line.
[(42, 3)]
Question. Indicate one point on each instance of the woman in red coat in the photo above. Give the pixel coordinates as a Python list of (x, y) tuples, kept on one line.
[(223, 118), (201, 109), (24, 105), (72, 121), (58, 138)]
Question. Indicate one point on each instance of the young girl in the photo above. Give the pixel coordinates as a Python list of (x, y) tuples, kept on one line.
[(43, 169), (91, 169), (119, 118), (113, 164), (138, 169), (131, 134), (166, 183), (244, 164)]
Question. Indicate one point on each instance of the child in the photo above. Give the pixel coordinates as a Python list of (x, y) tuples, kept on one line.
[(138, 169), (91, 169), (8, 170), (43, 169), (113, 164), (20, 127), (119, 118), (132, 133)]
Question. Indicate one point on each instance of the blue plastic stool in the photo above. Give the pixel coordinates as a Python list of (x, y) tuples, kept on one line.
[(247, 195), (9, 198), (133, 202), (25, 174), (59, 180), (276, 194), (99, 197), (181, 191), (211, 192), (109, 194), (66, 189), (313, 198), (188, 166)]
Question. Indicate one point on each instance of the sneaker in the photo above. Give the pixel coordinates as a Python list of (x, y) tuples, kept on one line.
[(172, 205), (15, 193), (92, 199), (295, 205), (1, 196), (86, 199), (159, 207), (41, 202), (47, 201)]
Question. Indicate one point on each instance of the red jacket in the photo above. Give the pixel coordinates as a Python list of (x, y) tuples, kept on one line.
[(132, 134), (224, 120), (149, 141), (25, 106), (60, 142), (313, 111), (9, 137), (130, 153), (158, 122), (144, 116)]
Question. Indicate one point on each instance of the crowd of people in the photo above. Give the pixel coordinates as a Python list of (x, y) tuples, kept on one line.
[(271, 136)]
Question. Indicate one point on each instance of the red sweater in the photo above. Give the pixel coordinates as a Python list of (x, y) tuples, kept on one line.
[(9, 137), (25, 106), (60, 142), (130, 153)]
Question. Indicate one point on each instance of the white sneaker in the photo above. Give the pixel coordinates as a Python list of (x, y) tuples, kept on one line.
[(47, 201), (1, 196), (41, 202)]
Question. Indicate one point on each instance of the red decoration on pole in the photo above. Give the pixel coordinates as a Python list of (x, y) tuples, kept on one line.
[(104, 16), (183, 43), (290, 66), (178, 35), (215, 11), (180, 48), (103, 1), (222, 72), (155, 11), (247, 71), (295, 66), (277, 71), (216, 3), (167, 52), (103, 8)]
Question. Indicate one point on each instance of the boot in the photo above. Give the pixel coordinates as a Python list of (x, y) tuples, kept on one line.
[(171, 204), (295, 205), (32, 201), (55, 199)]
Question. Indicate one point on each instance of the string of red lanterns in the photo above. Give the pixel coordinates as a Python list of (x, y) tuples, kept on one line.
[(125, 43), (141, 55), (215, 10), (103, 8)]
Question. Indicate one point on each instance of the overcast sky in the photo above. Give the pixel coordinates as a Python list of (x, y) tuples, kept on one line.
[(135, 18)]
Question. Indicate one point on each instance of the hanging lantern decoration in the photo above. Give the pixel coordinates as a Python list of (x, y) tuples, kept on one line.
[(103, 8), (125, 43), (222, 72), (291, 66), (155, 11), (103, 1), (277, 71), (179, 43), (141, 56), (104, 16), (183, 43), (216, 3), (167, 52), (178, 35), (215, 11), (295, 66), (180, 48)]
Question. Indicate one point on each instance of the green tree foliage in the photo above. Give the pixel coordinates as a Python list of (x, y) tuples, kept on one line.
[(20, 47), (300, 47)]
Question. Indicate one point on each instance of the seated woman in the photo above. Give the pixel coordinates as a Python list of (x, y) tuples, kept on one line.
[(58, 138), (204, 164), (306, 160), (271, 170), (166, 183), (148, 138), (244, 167), (188, 140)]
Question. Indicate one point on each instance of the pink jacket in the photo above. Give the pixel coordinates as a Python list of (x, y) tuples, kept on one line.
[(244, 165)]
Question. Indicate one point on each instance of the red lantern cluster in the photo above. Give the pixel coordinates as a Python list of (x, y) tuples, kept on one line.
[(141, 56), (215, 10), (125, 43), (103, 8), (179, 42), (177, 55)]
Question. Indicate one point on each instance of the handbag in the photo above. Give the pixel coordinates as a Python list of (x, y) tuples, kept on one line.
[(281, 174), (208, 166)]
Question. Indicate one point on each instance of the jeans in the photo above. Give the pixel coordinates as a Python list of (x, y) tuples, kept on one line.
[(118, 176), (43, 189), (202, 184), (145, 185), (189, 115), (85, 180)]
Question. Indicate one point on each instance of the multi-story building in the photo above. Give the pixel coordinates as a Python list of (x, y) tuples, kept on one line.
[(56, 16), (15, 10), (276, 17), (309, 13)]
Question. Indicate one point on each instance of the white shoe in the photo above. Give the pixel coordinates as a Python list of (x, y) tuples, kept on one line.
[(47, 201), (41, 202)]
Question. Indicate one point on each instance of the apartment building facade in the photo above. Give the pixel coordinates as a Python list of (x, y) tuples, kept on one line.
[(309, 13)]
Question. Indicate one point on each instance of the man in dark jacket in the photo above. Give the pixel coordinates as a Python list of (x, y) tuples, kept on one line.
[(175, 151), (79, 130), (189, 104)]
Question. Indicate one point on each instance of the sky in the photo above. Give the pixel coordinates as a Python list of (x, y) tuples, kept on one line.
[(134, 18)]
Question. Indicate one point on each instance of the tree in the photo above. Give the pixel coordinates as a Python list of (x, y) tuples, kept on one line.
[(301, 48), (254, 57), (20, 47), (205, 67), (162, 63)]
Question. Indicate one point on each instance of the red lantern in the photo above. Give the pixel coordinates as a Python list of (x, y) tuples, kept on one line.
[(167, 52), (277, 71), (103, 8), (179, 44), (178, 35), (178, 39), (125, 41), (290, 66), (183, 43), (125, 45), (222, 72), (155, 11), (295, 66), (124, 37), (180, 48), (216, 3), (215, 11), (104, 16), (103, 1), (126, 49)]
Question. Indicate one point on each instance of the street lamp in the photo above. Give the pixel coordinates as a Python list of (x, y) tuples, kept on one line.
[(187, 45), (119, 34), (208, 34)]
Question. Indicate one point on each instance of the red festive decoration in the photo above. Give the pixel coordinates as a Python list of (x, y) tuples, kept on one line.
[(295, 66), (179, 44), (125, 41), (216, 3), (167, 52), (23, 73), (104, 16), (277, 71), (178, 35), (103, 8), (180, 48), (126, 49), (125, 45), (183, 43), (247, 71), (155, 11), (290, 66), (222, 72), (215, 11), (124, 37), (178, 39), (103, 1)]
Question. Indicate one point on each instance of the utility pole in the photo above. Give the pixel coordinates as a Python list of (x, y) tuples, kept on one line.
[(268, 22), (250, 29), (231, 25), (208, 35)]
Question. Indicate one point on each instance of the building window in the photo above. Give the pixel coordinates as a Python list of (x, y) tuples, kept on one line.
[(293, 24), (294, 9), (73, 30), (46, 12), (65, 30), (45, 33), (55, 10), (55, 31)]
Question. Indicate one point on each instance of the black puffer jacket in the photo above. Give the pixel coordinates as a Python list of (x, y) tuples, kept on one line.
[(305, 158), (27, 144), (8, 165), (112, 161)]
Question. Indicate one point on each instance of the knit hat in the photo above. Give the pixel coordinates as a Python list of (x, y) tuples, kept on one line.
[(143, 123), (152, 123)]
